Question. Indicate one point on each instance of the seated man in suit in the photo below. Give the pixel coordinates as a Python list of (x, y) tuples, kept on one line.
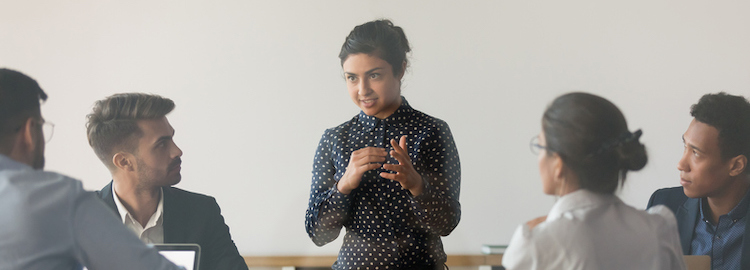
[(47, 220), (131, 135), (713, 203)]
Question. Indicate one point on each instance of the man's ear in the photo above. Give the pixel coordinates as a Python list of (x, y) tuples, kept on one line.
[(737, 165), (23, 143), (124, 161), (27, 138)]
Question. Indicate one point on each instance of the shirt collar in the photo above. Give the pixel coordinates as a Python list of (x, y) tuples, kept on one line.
[(7, 163), (370, 122), (125, 215), (739, 211), (578, 199)]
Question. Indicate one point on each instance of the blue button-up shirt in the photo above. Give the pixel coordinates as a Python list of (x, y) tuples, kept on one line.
[(721, 241), (47, 221)]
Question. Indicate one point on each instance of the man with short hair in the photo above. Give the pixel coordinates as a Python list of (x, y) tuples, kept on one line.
[(47, 220), (713, 204), (131, 135)]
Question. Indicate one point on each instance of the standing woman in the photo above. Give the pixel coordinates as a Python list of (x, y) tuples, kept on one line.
[(390, 175), (585, 150)]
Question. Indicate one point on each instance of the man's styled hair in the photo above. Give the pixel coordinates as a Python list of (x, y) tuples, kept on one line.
[(20, 98), (112, 126), (731, 116)]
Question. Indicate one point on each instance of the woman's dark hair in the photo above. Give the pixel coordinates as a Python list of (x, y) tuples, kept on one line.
[(592, 138), (731, 116), (379, 38)]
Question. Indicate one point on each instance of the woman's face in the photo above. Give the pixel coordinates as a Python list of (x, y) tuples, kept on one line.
[(372, 84)]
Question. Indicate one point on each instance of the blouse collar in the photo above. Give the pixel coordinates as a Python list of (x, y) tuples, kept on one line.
[(370, 122), (580, 199)]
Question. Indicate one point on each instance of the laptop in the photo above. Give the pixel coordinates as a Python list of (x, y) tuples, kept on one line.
[(185, 255)]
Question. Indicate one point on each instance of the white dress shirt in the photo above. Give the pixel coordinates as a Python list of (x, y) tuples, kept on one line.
[(587, 230), (153, 232), (47, 221)]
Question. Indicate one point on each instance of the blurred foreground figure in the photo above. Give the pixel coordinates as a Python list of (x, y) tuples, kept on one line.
[(584, 152), (47, 220)]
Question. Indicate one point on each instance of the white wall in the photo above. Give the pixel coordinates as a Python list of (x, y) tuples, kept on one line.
[(257, 82)]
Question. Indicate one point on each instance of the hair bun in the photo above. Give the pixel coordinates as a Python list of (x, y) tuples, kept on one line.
[(631, 153)]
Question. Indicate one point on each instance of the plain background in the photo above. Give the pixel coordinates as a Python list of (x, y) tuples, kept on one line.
[(257, 82)]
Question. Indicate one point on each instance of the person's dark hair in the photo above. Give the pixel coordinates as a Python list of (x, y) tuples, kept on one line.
[(379, 38), (731, 116), (591, 136), (112, 126), (20, 97)]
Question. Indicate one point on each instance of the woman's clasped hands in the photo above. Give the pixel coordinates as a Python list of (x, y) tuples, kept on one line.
[(370, 158)]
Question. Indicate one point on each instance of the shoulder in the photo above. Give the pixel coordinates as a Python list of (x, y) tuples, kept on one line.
[(664, 226), (40, 194), (672, 197), (51, 183), (426, 119), (670, 192), (663, 216), (105, 192), (548, 233), (345, 127), (187, 198), (655, 218), (433, 128), (532, 248)]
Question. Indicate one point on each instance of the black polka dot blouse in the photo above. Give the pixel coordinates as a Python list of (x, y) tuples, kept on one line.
[(386, 227)]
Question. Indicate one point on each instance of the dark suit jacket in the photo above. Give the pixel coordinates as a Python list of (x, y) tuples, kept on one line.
[(194, 218), (686, 211)]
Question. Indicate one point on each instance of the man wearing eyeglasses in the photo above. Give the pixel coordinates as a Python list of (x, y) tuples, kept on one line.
[(131, 135), (47, 220), (713, 204)]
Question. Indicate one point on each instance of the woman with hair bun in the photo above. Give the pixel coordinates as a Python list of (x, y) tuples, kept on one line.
[(585, 151), (391, 175)]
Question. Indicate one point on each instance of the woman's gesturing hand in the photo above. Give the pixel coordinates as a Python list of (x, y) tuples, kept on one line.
[(362, 160), (405, 174)]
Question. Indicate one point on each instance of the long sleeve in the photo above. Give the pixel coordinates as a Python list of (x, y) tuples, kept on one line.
[(437, 207), (220, 251), (386, 227), (102, 242), (522, 252), (328, 209)]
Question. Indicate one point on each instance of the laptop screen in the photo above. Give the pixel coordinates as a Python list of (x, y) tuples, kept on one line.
[(185, 255)]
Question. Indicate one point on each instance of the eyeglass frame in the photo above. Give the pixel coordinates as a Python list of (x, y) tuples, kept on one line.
[(45, 125), (535, 147)]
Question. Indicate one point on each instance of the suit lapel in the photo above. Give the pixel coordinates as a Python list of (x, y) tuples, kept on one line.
[(171, 232), (109, 199), (687, 216)]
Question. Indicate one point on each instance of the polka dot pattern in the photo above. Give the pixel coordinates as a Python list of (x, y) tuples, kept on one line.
[(386, 227)]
